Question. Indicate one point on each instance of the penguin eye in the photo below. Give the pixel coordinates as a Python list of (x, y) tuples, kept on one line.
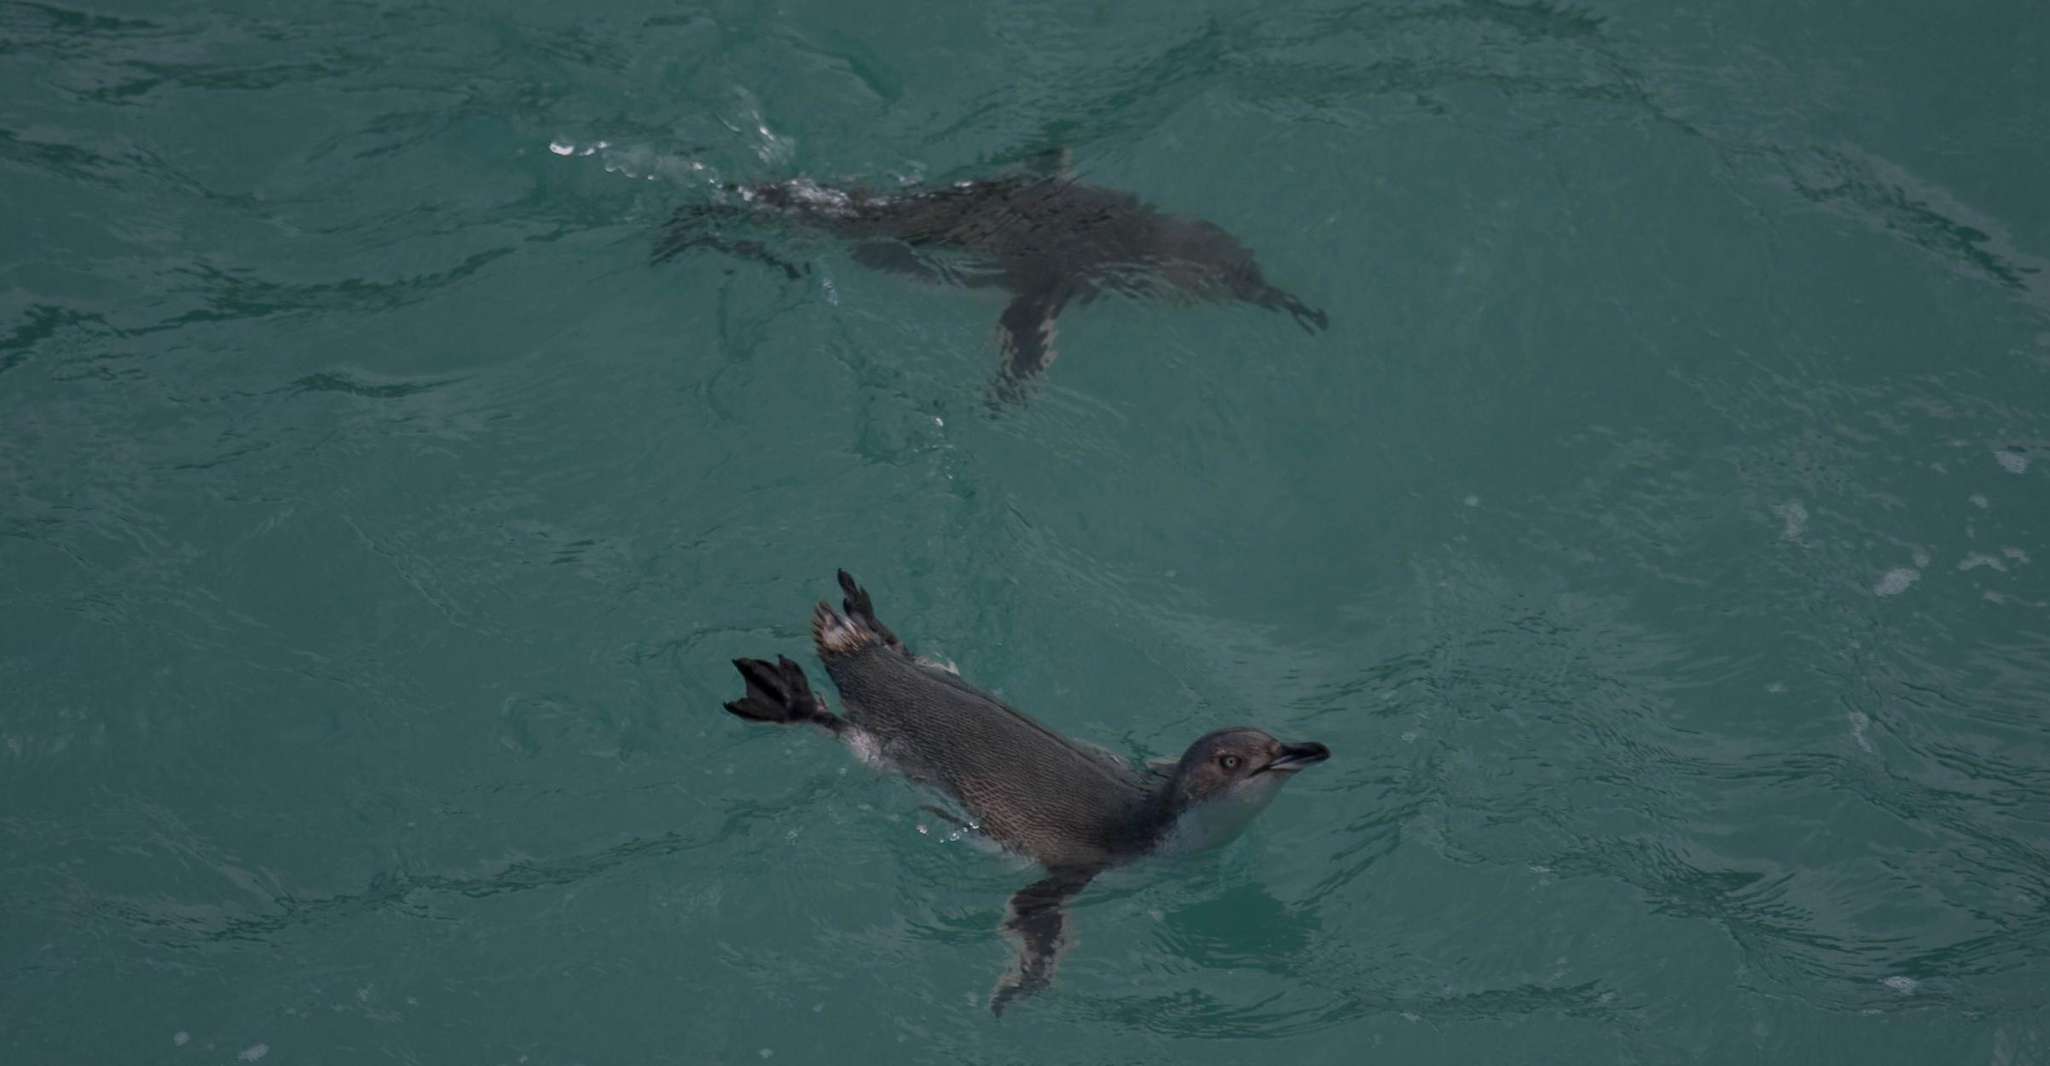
[(1229, 762)]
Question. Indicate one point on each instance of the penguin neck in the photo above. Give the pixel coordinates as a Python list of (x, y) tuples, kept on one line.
[(1178, 825), (1158, 813)]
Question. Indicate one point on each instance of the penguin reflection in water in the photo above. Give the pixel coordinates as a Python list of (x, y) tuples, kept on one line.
[(1073, 808)]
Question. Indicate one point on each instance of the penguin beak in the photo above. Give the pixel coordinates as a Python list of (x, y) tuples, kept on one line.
[(1294, 757)]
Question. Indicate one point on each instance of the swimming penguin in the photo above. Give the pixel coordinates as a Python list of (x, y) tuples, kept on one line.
[(1073, 808), (1047, 238)]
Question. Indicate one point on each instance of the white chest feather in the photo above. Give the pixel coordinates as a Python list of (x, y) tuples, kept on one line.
[(1217, 821)]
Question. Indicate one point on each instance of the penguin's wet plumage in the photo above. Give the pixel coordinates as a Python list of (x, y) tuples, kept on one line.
[(1073, 808), (1049, 240)]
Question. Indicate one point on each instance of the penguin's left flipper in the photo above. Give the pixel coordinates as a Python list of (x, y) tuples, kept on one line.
[(1025, 335), (1038, 924)]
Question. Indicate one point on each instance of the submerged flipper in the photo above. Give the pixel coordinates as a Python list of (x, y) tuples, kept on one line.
[(1026, 334), (779, 693), (1038, 924)]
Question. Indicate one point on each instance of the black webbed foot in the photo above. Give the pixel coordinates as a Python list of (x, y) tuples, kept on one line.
[(778, 693)]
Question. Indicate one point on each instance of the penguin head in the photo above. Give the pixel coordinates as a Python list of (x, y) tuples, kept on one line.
[(1224, 780), (1240, 761), (1203, 260)]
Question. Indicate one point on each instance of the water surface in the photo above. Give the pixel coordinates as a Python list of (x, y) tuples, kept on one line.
[(1660, 536)]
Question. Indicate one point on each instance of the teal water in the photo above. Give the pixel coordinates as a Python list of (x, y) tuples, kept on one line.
[(1658, 535)]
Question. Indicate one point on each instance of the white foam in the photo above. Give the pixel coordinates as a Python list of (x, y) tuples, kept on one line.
[(864, 747), (938, 663), (638, 164), (1793, 519), (1904, 985), (254, 1052), (2012, 460), (1858, 723), (181, 1038), (1896, 581), (805, 190)]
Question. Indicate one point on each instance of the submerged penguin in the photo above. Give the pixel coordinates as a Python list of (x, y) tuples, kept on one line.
[(1073, 808), (1048, 239)]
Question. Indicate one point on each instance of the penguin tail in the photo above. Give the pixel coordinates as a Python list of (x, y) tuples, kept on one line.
[(780, 694), (861, 611), (860, 628), (838, 636)]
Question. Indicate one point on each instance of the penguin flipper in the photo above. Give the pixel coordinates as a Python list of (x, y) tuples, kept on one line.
[(779, 693), (1038, 925), (1026, 336)]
